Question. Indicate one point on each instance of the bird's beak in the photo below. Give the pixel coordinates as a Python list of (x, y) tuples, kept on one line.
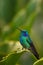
[(19, 29)]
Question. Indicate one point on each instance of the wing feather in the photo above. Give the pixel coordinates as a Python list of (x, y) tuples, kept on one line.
[(33, 49)]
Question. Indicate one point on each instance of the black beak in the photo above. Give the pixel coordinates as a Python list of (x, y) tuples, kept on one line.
[(19, 29)]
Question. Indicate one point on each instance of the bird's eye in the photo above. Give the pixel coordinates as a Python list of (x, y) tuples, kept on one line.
[(24, 31)]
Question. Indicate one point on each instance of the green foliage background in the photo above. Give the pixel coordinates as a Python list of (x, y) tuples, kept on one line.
[(24, 14)]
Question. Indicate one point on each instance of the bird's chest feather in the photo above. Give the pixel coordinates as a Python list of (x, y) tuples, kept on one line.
[(24, 42)]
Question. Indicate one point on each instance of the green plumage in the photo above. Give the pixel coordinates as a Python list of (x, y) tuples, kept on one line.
[(24, 42)]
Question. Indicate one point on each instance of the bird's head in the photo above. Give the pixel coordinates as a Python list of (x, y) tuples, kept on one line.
[(23, 32)]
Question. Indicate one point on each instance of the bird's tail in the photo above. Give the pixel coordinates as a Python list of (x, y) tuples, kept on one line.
[(33, 50)]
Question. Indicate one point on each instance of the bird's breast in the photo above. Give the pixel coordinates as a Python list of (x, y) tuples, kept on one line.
[(23, 42)]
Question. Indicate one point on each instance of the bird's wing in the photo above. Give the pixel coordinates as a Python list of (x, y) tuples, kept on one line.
[(33, 49), (30, 42)]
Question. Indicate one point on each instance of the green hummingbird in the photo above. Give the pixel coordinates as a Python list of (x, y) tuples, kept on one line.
[(27, 43)]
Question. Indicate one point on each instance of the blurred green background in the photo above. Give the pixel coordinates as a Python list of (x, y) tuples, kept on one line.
[(24, 14)]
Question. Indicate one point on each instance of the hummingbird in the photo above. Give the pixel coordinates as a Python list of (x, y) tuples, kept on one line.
[(27, 42)]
